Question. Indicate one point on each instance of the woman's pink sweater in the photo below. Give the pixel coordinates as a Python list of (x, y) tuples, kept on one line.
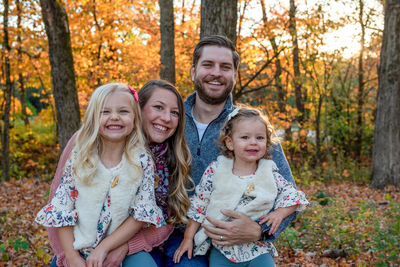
[(145, 240)]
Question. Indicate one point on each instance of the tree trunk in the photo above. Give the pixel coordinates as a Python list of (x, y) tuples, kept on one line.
[(296, 63), (281, 92), (20, 76), (62, 69), (300, 96), (360, 95), (386, 151), (5, 137), (218, 17), (318, 130), (167, 50)]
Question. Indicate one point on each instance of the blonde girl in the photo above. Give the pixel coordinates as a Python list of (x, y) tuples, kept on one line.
[(106, 194), (244, 179)]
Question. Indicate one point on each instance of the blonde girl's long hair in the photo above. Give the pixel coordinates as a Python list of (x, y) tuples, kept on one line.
[(88, 144), (178, 155), (246, 112)]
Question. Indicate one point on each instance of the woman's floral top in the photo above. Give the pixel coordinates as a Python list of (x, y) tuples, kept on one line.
[(61, 210), (287, 196), (161, 183)]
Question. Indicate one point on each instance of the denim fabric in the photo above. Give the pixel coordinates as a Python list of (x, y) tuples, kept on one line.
[(219, 260), (170, 247), (54, 262), (158, 256), (205, 151), (141, 258), (280, 160)]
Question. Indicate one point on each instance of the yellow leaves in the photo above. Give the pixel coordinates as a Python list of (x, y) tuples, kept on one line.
[(42, 254), (87, 63)]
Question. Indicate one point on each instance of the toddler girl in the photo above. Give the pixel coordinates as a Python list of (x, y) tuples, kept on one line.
[(243, 179), (106, 194)]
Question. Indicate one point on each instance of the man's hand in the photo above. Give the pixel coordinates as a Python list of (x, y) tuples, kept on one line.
[(116, 256), (238, 231)]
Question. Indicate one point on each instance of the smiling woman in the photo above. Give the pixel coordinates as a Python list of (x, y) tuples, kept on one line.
[(162, 110), (160, 114), (106, 192)]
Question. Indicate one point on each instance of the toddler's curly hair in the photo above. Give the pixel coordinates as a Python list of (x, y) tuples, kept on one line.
[(246, 112)]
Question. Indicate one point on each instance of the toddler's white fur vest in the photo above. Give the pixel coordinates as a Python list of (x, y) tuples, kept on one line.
[(228, 190), (91, 198)]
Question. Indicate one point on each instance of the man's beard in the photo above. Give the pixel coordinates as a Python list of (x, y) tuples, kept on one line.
[(211, 100)]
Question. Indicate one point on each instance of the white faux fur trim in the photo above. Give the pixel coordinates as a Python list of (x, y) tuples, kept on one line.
[(91, 199), (228, 190)]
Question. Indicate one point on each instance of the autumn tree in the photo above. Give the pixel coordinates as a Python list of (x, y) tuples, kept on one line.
[(362, 21), (186, 36), (5, 131), (219, 17), (62, 69), (20, 59), (119, 41), (300, 92), (167, 31), (281, 91), (386, 150), (255, 79)]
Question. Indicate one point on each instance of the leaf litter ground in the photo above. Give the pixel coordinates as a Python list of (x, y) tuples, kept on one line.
[(25, 243)]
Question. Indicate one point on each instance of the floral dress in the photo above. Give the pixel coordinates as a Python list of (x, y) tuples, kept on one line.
[(287, 196), (61, 210)]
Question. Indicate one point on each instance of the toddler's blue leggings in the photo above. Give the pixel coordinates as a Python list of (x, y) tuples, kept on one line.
[(217, 259)]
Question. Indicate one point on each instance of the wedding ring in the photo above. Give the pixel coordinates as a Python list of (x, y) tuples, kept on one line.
[(221, 237)]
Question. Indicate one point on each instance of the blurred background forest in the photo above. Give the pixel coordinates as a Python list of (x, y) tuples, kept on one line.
[(313, 66)]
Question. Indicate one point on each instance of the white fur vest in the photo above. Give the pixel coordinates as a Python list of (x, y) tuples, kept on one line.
[(228, 190), (91, 198)]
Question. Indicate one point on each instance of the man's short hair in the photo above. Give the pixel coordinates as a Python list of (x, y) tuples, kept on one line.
[(215, 40)]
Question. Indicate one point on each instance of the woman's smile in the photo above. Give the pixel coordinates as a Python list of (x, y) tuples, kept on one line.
[(160, 115)]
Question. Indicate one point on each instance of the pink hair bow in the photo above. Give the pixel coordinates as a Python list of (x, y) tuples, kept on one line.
[(134, 93)]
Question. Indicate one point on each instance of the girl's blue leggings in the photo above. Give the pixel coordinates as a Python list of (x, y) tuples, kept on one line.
[(217, 259), (139, 259)]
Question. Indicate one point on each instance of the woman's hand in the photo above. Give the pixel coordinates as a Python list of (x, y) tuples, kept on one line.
[(116, 256), (185, 246), (75, 259), (97, 256)]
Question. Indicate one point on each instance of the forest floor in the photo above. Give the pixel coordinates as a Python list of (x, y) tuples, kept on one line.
[(317, 238)]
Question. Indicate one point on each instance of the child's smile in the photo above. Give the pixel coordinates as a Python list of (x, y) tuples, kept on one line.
[(116, 119), (248, 142)]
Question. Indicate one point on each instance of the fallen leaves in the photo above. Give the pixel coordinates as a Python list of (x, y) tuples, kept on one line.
[(350, 203), (25, 243)]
